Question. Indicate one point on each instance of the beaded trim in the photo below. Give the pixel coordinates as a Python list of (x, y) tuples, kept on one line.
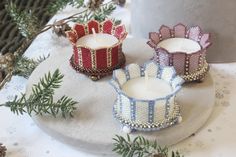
[(151, 111), (198, 75), (93, 58), (109, 57), (80, 57), (169, 121)]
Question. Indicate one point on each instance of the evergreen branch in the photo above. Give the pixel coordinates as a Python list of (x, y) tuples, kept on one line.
[(24, 66), (58, 5), (41, 100), (140, 147), (26, 21), (103, 12), (100, 14)]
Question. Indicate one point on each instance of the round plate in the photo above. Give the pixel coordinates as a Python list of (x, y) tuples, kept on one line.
[(93, 125)]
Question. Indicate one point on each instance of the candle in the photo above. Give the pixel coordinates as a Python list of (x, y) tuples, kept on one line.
[(180, 45), (146, 79), (97, 40), (137, 88), (94, 33), (146, 109), (97, 48)]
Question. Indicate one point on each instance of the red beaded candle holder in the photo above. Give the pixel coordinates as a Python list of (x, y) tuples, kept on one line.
[(190, 66), (97, 63)]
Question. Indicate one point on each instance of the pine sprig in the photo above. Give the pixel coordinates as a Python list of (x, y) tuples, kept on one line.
[(26, 21), (41, 100), (100, 14), (58, 5), (103, 12), (140, 147), (24, 66)]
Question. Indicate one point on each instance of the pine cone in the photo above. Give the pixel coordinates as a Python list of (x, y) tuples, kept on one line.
[(94, 4), (120, 2), (7, 61), (3, 150), (60, 28), (8, 57)]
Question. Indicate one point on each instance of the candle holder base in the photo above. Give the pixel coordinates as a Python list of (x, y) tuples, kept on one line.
[(137, 126), (97, 74), (197, 76)]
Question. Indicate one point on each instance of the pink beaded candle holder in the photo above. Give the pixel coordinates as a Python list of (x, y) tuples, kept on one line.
[(97, 62), (190, 66)]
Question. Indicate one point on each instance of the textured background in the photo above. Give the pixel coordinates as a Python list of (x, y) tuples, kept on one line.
[(10, 37)]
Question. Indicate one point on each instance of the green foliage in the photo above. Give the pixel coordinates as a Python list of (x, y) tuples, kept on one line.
[(140, 147), (26, 21), (103, 12), (58, 5), (24, 66), (41, 100), (100, 14)]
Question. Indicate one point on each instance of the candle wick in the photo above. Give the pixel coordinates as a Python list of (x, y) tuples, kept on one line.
[(94, 32), (95, 35)]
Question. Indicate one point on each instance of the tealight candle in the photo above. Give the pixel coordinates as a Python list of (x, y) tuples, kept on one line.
[(138, 88), (97, 47), (97, 40), (146, 103), (180, 45)]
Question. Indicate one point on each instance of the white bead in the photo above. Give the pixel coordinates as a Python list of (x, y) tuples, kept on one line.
[(126, 129), (180, 119)]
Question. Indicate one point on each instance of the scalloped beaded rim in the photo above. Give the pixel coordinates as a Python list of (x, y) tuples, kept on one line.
[(191, 66), (146, 115), (100, 57)]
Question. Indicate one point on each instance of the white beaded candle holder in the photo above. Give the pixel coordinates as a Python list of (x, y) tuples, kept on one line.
[(146, 97), (183, 48)]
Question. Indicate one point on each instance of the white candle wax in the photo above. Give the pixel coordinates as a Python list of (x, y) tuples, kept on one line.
[(146, 79), (100, 40), (180, 45), (136, 88)]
